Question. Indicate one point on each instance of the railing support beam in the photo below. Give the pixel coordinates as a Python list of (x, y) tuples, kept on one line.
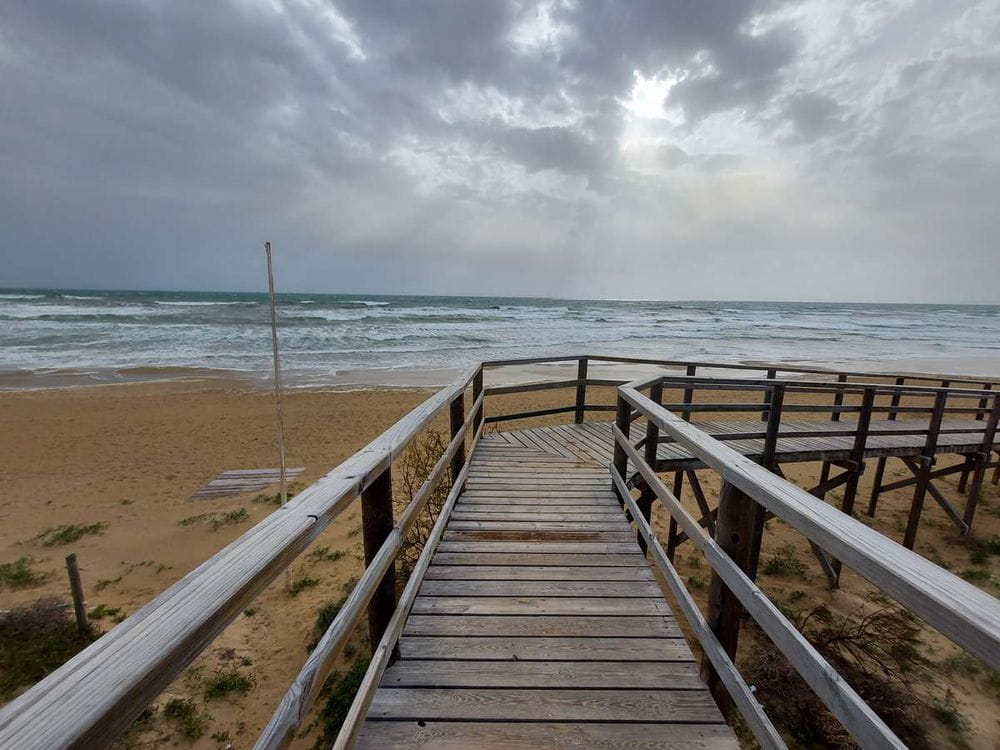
[(456, 418), (924, 474), (581, 390), (377, 523), (735, 534)]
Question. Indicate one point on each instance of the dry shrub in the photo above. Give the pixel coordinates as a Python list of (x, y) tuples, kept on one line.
[(35, 640), (413, 470), (874, 649)]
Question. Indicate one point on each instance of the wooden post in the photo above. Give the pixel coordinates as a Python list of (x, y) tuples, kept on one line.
[(477, 389), (880, 466), (926, 460), (76, 589), (734, 532), (581, 390), (456, 416), (984, 401), (767, 395), (623, 420), (646, 497), (857, 463), (690, 372), (767, 460), (838, 400), (985, 450), (971, 461), (377, 523)]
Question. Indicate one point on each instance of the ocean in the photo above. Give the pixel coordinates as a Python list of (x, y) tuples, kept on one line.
[(322, 336)]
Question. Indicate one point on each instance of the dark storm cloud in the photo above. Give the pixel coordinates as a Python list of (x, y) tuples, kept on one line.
[(450, 146)]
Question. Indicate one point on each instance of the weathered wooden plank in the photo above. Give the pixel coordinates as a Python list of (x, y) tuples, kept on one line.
[(543, 648), (544, 705), (457, 735), (620, 589), (538, 536), (606, 524), (514, 605), (596, 548), (627, 675), (528, 559), (535, 573), (563, 513), (649, 626)]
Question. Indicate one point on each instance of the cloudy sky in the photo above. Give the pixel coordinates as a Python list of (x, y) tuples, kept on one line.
[(679, 150)]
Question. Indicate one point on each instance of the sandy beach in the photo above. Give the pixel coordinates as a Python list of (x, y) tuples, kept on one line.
[(129, 457)]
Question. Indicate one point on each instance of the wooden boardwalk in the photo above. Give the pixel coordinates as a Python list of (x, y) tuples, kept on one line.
[(539, 623), (591, 443)]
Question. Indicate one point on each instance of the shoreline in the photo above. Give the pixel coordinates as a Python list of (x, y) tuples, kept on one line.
[(348, 380)]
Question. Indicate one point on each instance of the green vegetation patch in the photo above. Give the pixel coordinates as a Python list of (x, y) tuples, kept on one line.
[(301, 584), (69, 533), (324, 619), (224, 682), (785, 562), (216, 520), (325, 554), (20, 575), (184, 713), (337, 695), (102, 611)]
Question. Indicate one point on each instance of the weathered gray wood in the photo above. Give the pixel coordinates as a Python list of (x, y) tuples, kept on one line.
[(958, 609), (735, 534), (520, 587), (523, 559), (535, 573), (856, 716), (513, 605), (384, 650), (377, 524), (581, 389), (923, 474), (417, 673), (980, 462), (528, 648), (455, 735), (545, 705), (649, 626), (722, 665), (76, 590), (595, 548), (298, 700)]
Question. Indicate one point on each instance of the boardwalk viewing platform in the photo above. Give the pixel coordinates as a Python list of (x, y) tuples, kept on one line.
[(543, 610)]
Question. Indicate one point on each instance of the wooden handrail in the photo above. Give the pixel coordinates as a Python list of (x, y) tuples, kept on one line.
[(742, 694), (863, 724), (94, 696), (382, 652), (301, 695), (959, 610)]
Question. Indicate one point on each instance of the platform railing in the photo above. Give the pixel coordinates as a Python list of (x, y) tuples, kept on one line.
[(960, 611), (91, 699)]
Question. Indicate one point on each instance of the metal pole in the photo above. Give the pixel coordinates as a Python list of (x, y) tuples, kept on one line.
[(277, 394)]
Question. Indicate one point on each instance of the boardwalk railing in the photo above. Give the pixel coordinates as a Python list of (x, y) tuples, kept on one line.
[(959, 610), (94, 696)]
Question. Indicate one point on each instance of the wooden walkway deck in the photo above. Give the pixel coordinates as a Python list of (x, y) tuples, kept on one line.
[(539, 623), (591, 443)]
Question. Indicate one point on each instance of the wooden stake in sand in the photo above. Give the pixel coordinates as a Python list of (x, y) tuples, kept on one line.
[(76, 588), (277, 394)]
